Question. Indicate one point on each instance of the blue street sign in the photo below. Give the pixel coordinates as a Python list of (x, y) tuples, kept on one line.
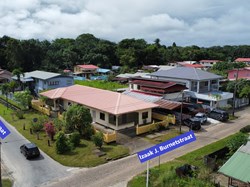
[(3, 130), (166, 146)]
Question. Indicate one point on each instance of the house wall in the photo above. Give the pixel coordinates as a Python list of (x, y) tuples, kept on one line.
[(243, 73), (53, 83), (96, 117)]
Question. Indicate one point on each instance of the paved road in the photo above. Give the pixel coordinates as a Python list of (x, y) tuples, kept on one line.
[(117, 173), (28, 173)]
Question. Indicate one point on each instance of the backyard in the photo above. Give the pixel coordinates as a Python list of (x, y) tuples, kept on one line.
[(106, 85)]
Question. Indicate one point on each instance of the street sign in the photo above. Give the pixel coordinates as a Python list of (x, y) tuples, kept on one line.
[(3, 130), (166, 146)]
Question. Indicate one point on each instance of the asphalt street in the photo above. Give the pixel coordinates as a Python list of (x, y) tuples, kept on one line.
[(28, 173), (119, 172)]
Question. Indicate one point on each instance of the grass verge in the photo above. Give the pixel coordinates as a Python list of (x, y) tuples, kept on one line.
[(106, 85), (165, 174)]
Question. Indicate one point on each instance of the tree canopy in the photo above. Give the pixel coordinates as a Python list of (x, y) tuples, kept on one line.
[(64, 53)]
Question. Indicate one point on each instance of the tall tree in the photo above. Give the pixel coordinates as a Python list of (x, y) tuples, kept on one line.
[(78, 118)]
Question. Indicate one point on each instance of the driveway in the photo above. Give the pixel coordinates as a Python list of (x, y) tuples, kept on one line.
[(28, 173), (119, 172)]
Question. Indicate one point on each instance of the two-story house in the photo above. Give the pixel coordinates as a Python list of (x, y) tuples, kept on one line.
[(203, 86), (42, 80), (242, 73), (243, 60), (207, 64), (85, 71)]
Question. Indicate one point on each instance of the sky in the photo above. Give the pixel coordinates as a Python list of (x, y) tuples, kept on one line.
[(186, 22)]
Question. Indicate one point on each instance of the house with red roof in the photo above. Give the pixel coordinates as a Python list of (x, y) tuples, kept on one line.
[(243, 60), (85, 71), (110, 109), (208, 63), (243, 73)]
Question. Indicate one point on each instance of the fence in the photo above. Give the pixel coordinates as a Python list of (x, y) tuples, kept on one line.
[(170, 118), (108, 137), (37, 106), (151, 127)]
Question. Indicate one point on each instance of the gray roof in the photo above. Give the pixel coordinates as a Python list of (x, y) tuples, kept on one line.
[(186, 73), (44, 75), (143, 97)]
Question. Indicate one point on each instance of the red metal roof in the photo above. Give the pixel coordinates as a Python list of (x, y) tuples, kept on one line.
[(242, 60), (88, 66), (192, 65), (169, 105), (152, 83), (103, 100), (152, 89)]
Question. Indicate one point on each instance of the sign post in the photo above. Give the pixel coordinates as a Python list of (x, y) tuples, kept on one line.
[(3, 133), (165, 147)]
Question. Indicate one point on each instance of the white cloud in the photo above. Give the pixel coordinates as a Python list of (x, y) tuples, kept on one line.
[(192, 22)]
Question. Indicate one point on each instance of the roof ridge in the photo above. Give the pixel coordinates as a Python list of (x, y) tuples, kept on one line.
[(117, 103), (195, 70)]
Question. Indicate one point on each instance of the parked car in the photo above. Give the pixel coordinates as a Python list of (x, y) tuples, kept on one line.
[(192, 123), (217, 114), (202, 117), (29, 150)]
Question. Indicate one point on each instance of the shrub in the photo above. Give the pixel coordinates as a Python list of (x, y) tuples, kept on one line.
[(88, 132), (36, 127), (245, 129), (237, 141), (19, 114), (50, 130), (75, 138), (62, 143), (98, 139)]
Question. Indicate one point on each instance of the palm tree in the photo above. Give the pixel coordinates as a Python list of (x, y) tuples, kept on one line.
[(18, 72)]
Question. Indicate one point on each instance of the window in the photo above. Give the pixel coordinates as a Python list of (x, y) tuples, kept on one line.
[(102, 116), (235, 74), (51, 83), (144, 115)]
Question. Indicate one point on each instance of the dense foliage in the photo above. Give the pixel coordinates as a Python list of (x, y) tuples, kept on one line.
[(78, 118), (62, 143), (64, 53)]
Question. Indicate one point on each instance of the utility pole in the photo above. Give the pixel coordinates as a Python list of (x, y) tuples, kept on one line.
[(235, 88), (182, 94)]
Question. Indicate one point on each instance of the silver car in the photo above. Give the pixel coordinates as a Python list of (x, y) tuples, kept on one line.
[(202, 117)]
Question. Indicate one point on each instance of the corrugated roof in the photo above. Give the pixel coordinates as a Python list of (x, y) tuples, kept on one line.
[(238, 166), (242, 60), (101, 70), (169, 105), (186, 73), (44, 75), (155, 84), (108, 101), (142, 96), (88, 66)]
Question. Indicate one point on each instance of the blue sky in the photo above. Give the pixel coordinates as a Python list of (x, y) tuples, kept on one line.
[(186, 22)]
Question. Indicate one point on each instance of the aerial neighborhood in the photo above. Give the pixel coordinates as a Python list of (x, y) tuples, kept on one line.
[(88, 113)]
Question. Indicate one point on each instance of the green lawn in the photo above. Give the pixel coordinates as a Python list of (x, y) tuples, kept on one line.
[(167, 135), (82, 156), (165, 175), (106, 85), (6, 183)]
